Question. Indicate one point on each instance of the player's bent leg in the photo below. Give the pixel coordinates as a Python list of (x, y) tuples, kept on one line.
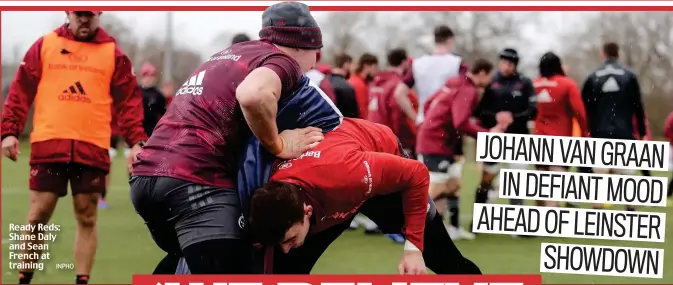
[(159, 224), (208, 226), (87, 185)]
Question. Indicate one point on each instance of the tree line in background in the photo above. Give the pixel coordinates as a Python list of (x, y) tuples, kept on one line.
[(645, 39)]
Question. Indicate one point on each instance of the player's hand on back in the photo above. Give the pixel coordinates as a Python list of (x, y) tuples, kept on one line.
[(10, 147), (412, 263), (296, 142)]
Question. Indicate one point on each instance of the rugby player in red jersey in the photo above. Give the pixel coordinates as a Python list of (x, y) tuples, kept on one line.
[(383, 107), (359, 167), (447, 118), (183, 182), (559, 101)]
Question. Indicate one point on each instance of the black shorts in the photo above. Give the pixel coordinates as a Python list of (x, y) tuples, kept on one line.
[(441, 167), (180, 213)]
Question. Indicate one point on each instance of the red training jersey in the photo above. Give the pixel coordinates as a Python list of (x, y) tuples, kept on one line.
[(200, 137), (559, 101), (365, 159), (447, 117), (383, 108)]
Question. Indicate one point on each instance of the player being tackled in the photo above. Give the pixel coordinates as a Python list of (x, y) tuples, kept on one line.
[(358, 168)]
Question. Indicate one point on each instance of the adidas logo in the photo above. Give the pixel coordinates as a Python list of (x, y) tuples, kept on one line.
[(75, 93), (610, 85), (544, 96), (193, 85)]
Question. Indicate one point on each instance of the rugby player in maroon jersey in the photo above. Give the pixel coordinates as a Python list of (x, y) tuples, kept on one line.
[(183, 183)]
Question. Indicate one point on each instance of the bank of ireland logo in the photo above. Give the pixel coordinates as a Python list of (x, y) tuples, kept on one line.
[(74, 93)]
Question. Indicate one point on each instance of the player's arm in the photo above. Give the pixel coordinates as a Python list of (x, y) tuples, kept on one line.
[(528, 93), (390, 174), (258, 96), (461, 112), (401, 95), (639, 112), (22, 92), (128, 100), (577, 108)]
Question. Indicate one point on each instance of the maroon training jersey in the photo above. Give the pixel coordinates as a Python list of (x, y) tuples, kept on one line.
[(383, 108), (355, 162), (447, 117), (199, 138)]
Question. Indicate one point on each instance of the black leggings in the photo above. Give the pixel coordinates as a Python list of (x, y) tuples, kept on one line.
[(440, 254)]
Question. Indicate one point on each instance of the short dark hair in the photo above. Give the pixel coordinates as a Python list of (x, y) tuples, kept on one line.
[(480, 65), (341, 59), (611, 50), (442, 34), (550, 65), (397, 57), (274, 208), (239, 38), (366, 59)]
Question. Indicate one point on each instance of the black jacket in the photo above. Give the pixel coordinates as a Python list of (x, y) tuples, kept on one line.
[(515, 94), (154, 107), (612, 98), (345, 96)]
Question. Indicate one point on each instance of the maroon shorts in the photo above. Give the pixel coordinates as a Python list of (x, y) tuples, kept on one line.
[(54, 177)]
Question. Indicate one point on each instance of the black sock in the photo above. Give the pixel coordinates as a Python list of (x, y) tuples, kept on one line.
[(646, 172), (481, 196), (670, 188), (453, 206), (25, 277), (442, 256), (82, 279)]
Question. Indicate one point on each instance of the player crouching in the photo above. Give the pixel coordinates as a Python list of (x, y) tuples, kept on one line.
[(358, 167)]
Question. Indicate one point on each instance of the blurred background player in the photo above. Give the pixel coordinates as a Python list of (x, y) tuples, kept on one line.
[(612, 99), (508, 101), (346, 99), (448, 115), (319, 77), (559, 102), (74, 149), (428, 74), (154, 101), (240, 38), (367, 67)]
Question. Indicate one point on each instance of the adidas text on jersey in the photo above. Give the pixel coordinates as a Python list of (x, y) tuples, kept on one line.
[(193, 85), (74, 92)]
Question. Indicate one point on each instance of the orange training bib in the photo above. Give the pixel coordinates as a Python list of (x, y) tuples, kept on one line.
[(73, 99)]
